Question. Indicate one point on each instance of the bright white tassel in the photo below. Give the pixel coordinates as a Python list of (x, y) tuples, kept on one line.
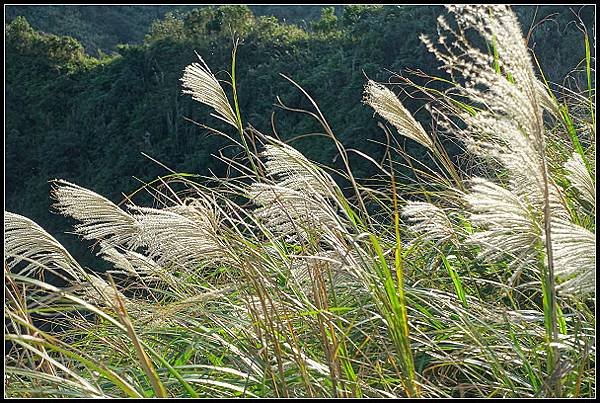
[(428, 221), (292, 214), (204, 87), (294, 171), (100, 292), (506, 225), (391, 109), (546, 100), (302, 202), (25, 241), (580, 178), (100, 218), (508, 129), (574, 250), (182, 235), (136, 265)]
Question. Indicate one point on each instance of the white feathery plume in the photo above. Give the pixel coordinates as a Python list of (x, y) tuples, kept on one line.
[(187, 231), (546, 100), (194, 306), (120, 262), (507, 128), (506, 222), (204, 87), (292, 213), (302, 202), (574, 250), (498, 24), (201, 209), (390, 108), (580, 178), (183, 235), (429, 221), (100, 218), (136, 265), (294, 170), (100, 292), (304, 268), (24, 240), (583, 284)]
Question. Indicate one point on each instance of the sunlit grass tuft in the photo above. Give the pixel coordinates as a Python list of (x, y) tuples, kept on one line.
[(478, 280)]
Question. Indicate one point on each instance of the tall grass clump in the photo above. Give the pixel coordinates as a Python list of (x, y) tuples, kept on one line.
[(476, 280)]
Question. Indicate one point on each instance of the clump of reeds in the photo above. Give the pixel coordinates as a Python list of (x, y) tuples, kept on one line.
[(483, 288)]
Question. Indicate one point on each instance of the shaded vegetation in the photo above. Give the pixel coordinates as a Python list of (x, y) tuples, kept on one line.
[(87, 119), (101, 28)]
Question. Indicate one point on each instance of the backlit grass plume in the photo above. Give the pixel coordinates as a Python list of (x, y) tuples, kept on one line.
[(302, 199), (390, 108), (517, 218), (99, 218), (581, 179), (575, 254), (429, 221), (508, 129), (279, 281), (26, 242), (294, 171), (506, 223), (203, 86), (182, 235)]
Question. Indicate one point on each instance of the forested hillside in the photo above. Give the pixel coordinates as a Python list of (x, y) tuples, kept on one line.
[(378, 201), (102, 28), (88, 119)]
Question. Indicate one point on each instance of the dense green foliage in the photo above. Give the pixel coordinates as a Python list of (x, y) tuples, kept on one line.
[(102, 28), (88, 119)]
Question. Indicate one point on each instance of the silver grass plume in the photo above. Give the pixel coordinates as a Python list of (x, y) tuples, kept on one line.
[(546, 100), (507, 129), (303, 199), (304, 268), (580, 178), (25, 241), (505, 221), (187, 231), (292, 213), (193, 306), (294, 170), (136, 265), (429, 222), (204, 87), (574, 250), (100, 218), (121, 261), (100, 293), (184, 235), (582, 284), (391, 109)]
